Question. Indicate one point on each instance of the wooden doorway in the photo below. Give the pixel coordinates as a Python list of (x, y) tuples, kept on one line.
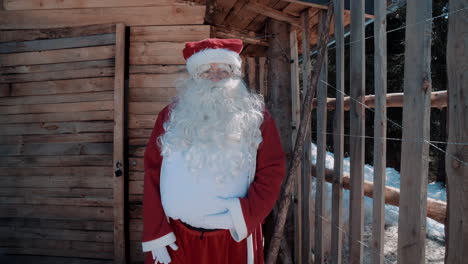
[(61, 145)]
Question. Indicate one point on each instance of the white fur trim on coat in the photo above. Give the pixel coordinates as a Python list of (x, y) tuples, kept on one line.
[(213, 56)]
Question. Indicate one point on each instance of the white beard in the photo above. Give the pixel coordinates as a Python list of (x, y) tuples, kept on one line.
[(216, 126)]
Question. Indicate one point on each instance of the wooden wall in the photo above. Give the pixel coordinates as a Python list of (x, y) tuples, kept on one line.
[(156, 61), (158, 30), (56, 143)]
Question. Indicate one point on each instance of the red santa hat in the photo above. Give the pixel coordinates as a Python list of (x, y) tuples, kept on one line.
[(212, 50)]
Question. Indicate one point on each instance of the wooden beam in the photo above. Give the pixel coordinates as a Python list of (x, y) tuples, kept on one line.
[(438, 100), (320, 194), (59, 4), (273, 13), (457, 57), (298, 146), (305, 182), (357, 132), (249, 37), (380, 131), (436, 209), (338, 138), (416, 122), (118, 147), (131, 16), (318, 6)]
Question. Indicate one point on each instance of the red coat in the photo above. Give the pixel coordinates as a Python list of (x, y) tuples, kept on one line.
[(261, 196)]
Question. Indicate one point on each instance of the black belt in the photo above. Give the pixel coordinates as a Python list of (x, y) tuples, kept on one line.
[(199, 229)]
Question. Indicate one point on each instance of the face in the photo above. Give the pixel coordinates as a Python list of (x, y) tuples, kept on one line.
[(216, 73)]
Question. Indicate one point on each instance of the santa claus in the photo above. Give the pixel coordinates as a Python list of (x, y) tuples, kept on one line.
[(213, 166)]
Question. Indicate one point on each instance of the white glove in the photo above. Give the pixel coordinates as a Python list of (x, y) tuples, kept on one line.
[(160, 255)]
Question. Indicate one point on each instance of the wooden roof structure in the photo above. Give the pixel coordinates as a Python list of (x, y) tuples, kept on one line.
[(246, 19)]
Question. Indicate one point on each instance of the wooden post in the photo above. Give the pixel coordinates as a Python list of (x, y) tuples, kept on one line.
[(305, 182), (457, 57), (357, 127), (298, 146), (320, 196), (296, 118), (118, 149), (415, 147), (380, 130), (279, 93), (338, 138)]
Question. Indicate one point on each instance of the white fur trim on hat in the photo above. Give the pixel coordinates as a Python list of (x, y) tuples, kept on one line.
[(213, 56)]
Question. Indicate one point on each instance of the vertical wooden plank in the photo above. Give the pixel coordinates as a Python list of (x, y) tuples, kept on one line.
[(262, 76), (415, 150), (279, 97), (321, 154), (296, 119), (380, 130), (119, 223), (338, 137), (457, 69), (306, 158), (357, 78), (251, 73)]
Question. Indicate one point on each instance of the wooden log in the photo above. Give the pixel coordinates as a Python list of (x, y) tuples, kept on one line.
[(55, 243), (380, 131), (57, 223), (357, 130), (295, 119), (139, 133), (249, 37), (57, 75), (56, 171), (182, 33), (25, 259), (53, 44), (38, 149), (88, 181), (62, 86), (56, 212), (416, 121), (320, 194), (57, 67), (58, 161), (136, 176), (56, 4), (67, 98), (141, 121), (66, 32), (76, 138), (5, 90), (146, 108), (438, 100), (155, 80), (156, 53), (338, 138), (131, 16), (457, 56), (55, 128), (273, 13), (57, 252), (436, 209), (152, 94), (61, 107), (157, 69), (298, 146), (118, 147), (135, 187), (38, 200), (57, 56), (57, 117), (67, 192)]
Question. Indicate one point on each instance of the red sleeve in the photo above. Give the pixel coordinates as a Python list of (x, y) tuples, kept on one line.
[(156, 229), (264, 190)]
